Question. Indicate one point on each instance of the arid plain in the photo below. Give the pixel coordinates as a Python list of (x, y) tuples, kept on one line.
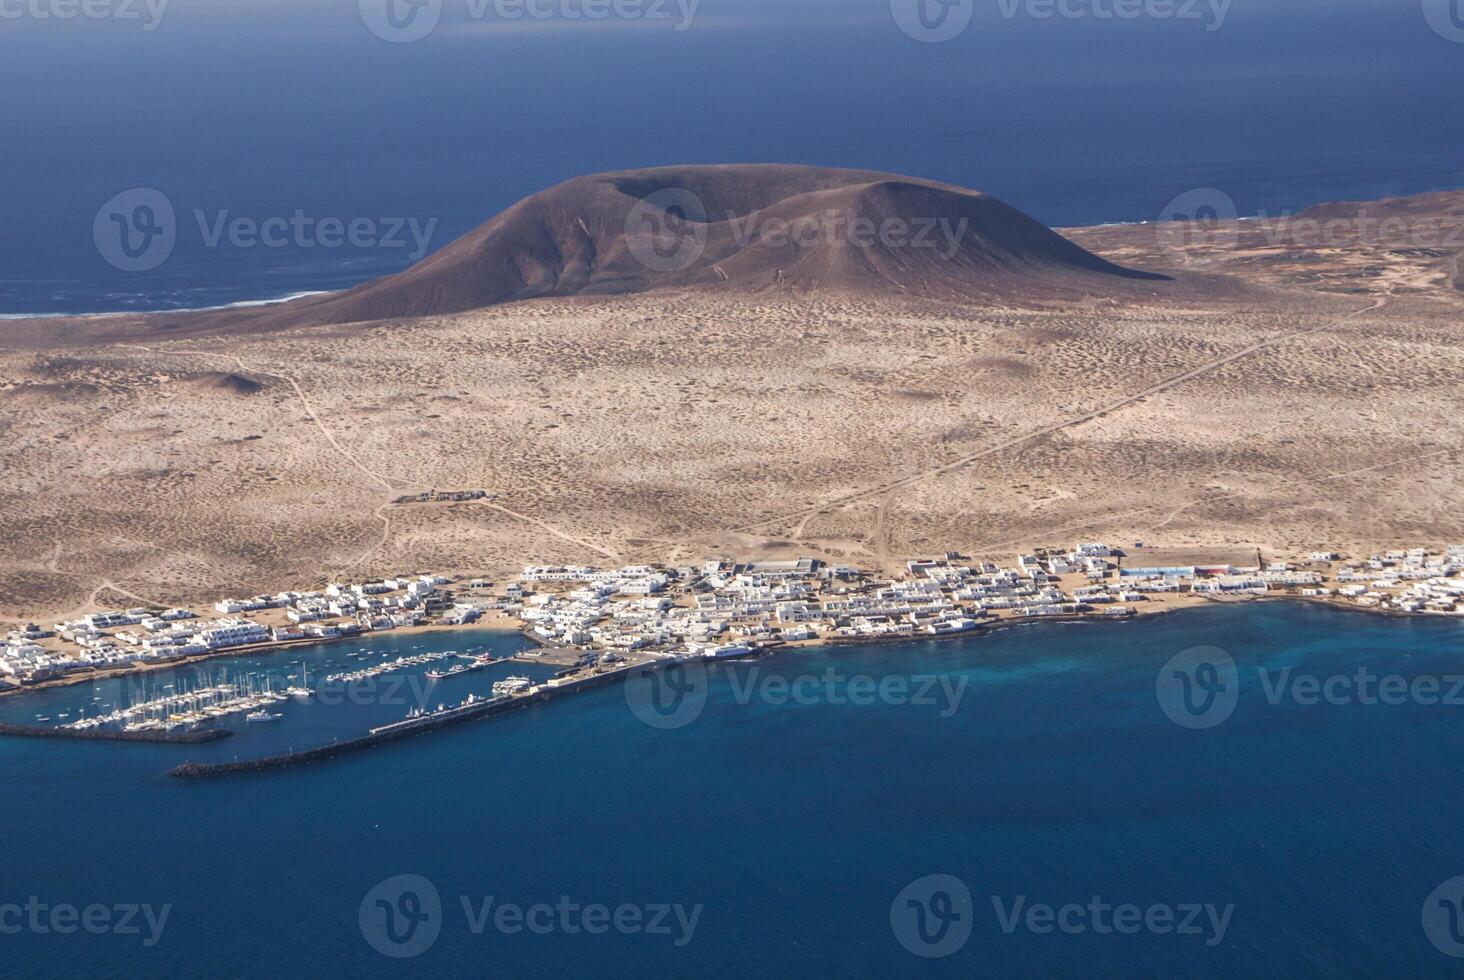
[(1314, 397)]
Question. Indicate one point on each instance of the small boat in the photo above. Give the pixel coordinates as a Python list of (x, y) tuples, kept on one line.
[(511, 685), (261, 715)]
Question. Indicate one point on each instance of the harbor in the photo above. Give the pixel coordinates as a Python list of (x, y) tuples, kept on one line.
[(192, 708), (522, 694), (574, 614), (390, 667), (265, 706), (579, 625)]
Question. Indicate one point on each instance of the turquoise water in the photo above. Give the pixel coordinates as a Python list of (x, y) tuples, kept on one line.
[(795, 822)]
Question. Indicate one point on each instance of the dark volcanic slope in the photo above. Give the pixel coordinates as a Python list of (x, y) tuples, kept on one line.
[(860, 232)]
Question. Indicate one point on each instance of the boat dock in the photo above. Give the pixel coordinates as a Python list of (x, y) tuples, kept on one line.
[(115, 735), (428, 723), (477, 664), (400, 663)]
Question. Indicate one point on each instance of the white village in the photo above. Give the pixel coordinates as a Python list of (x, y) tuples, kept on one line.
[(724, 609)]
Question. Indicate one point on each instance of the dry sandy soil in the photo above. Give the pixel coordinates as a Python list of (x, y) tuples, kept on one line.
[(1324, 408)]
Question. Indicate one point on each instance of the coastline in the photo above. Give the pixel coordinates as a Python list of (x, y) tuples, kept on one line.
[(1151, 608), (495, 709), (545, 694), (237, 305), (253, 650), (322, 753)]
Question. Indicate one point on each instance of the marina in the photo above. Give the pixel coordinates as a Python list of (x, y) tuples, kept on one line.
[(476, 664), (518, 693), (301, 710), (188, 708), (390, 667), (579, 624)]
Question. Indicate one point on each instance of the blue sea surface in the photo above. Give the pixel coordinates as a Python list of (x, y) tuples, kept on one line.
[(795, 822), (239, 110)]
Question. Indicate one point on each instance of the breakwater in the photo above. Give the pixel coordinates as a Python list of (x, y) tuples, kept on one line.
[(488, 709), (103, 735)]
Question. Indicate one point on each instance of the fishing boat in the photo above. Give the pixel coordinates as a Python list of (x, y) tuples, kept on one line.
[(511, 685)]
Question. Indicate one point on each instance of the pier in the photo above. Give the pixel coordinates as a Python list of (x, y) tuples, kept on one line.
[(392, 733), (112, 735)]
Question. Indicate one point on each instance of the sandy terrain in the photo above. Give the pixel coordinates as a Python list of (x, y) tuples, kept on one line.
[(1325, 408)]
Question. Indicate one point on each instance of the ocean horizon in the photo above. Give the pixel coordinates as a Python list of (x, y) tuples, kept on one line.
[(446, 132)]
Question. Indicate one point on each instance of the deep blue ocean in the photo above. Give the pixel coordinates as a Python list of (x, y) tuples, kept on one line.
[(236, 110), (792, 822)]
